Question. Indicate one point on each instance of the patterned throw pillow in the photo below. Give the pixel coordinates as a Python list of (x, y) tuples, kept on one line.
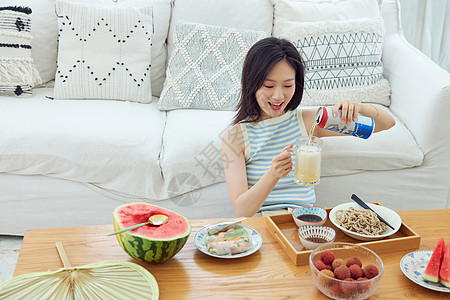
[(18, 74), (104, 52), (204, 70), (343, 60)]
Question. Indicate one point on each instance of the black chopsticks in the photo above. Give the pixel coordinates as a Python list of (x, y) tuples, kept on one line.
[(363, 204)]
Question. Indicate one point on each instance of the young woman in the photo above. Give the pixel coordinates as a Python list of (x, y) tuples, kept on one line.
[(266, 125)]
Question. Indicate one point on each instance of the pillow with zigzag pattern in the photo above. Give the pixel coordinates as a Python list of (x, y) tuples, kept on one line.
[(103, 52), (342, 58)]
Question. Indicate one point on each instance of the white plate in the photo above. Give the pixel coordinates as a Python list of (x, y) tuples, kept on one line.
[(200, 236), (413, 265), (388, 214)]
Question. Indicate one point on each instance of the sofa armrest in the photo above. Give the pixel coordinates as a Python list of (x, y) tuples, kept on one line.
[(420, 88)]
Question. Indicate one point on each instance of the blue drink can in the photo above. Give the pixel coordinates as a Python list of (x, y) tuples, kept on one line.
[(362, 128)]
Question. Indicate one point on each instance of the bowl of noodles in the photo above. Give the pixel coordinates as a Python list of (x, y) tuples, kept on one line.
[(362, 224)]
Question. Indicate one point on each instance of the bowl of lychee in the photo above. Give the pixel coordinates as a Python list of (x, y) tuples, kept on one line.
[(345, 270)]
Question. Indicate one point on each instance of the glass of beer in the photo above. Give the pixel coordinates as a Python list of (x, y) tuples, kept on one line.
[(308, 157)]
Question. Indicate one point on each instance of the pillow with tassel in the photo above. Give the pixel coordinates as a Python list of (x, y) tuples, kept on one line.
[(18, 74)]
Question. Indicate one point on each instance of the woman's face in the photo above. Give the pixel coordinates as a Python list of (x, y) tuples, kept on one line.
[(277, 90)]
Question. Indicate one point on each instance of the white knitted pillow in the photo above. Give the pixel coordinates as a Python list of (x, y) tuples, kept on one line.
[(18, 74), (104, 52), (343, 60), (205, 67)]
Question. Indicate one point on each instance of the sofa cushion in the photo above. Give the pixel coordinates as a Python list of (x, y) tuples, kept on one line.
[(86, 70), (191, 153), (44, 30), (342, 52), (249, 14), (192, 150), (390, 149), (322, 10), (114, 145), (342, 59), (161, 18), (205, 67), (45, 33), (18, 74)]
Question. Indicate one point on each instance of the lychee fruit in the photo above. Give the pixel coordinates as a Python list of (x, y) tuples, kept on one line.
[(324, 279), (370, 271), (328, 273), (349, 286), (319, 265), (335, 290), (361, 279), (364, 286), (355, 271), (353, 261), (327, 257), (342, 272), (329, 267), (337, 262)]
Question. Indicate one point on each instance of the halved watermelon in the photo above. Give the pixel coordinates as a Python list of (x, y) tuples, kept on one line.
[(150, 243), (444, 272), (432, 270)]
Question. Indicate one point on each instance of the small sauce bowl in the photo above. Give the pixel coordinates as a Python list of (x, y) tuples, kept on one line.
[(311, 215), (312, 237)]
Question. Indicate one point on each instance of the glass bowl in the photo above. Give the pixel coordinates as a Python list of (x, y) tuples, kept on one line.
[(312, 237), (344, 289)]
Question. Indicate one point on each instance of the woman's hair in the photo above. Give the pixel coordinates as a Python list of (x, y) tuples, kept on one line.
[(260, 59)]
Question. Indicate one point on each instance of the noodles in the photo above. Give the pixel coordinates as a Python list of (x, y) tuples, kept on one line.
[(360, 221)]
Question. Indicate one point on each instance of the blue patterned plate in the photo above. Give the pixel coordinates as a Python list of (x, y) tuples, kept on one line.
[(199, 241), (413, 265)]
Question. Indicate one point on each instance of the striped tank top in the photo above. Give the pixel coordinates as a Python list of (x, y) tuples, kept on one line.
[(263, 141)]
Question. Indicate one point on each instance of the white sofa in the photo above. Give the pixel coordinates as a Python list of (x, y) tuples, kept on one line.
[(71, 162)]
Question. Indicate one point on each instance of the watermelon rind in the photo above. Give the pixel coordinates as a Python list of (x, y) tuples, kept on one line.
[(431, 272), (151, 250), (444, 271)]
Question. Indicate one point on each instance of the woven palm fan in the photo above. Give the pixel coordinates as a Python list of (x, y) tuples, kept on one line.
[(102, 280)]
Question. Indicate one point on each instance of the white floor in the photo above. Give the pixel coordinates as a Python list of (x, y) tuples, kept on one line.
[(9, 253)]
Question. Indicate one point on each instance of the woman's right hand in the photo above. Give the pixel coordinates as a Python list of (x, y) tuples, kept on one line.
[(282, 163)]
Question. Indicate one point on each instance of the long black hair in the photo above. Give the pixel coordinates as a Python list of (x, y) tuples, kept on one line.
[(260, 59)]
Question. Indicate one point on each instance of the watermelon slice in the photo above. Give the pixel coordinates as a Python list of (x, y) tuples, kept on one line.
[(432, 270), (154, 244), (444, 272)]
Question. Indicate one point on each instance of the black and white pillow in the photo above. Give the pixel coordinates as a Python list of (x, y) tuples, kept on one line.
[(343, 60), (103, 52), (18, 74)]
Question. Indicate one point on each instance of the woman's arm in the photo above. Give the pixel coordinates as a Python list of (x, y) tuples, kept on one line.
[(350, 110), (246, 202)]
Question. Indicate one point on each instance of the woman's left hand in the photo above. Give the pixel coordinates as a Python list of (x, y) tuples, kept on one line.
[(350, 110)]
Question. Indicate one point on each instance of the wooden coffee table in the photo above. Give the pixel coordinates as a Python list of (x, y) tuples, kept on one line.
[(266, 274)]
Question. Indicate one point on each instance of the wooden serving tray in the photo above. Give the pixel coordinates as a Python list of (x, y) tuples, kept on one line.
[(283, 228)]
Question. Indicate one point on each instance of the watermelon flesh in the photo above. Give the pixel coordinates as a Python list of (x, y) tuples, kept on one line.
[(150, 243), (431, 272), (130, 215), (444, 272)]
